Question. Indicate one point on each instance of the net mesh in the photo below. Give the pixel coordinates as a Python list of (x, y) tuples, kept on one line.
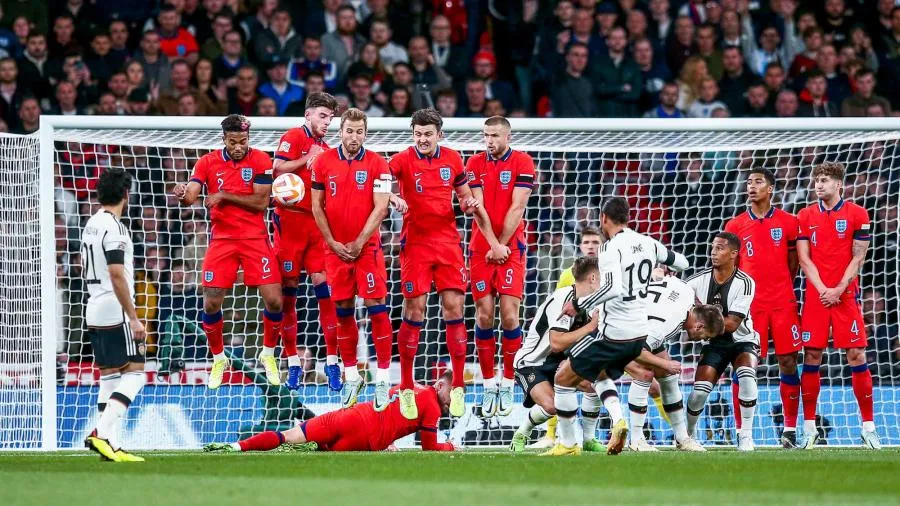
[(682, 186)]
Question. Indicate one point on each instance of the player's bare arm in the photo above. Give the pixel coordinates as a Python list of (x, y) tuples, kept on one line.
[(515, 214), (318, 209), (561, 341), (188, 193), (123, 295), (373, 222), (286, 166), (654, 361), (859, 249), (793, 263), (809, 267), (499, 250), (732, 322), (258, 201)]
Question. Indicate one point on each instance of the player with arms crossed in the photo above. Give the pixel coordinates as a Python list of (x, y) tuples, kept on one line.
[(351, 190), (107, 256), (670, 310), (834, 238), (732, 290), (238, 181), (361, 428), (298, 241), (769, 255), (626, 262), (550, 335), (431, 249), (501, 179)]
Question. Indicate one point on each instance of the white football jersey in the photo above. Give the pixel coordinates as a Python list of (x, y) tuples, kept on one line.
[(733, 297), (535, 348), (103, 238), (626, 263), (668, 302)]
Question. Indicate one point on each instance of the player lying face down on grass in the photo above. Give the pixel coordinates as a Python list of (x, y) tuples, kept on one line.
[(359, 428)]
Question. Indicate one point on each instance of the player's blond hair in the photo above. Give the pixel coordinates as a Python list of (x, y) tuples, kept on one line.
[(712, 318), (834, 170), (354, 114)]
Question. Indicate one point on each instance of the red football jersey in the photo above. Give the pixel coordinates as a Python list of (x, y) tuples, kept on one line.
[(765, 243), (349, 186), (389, 425), (830, 234), (218, 172), (427, 184), (498, 177), (295, 144)]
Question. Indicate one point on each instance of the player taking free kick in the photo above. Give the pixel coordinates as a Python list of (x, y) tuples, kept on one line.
[(298, 241), (238, 181), (501, 179), (431, 249), (351, 190)]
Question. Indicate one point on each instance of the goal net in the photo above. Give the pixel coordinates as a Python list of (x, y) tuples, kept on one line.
[(683, 179)]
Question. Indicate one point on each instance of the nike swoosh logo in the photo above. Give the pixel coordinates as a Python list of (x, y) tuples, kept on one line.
[(417, 174), (794, 397), (813, 226), (220, 173), (748, 237), (332, 177), (854, 340), (267, 277)]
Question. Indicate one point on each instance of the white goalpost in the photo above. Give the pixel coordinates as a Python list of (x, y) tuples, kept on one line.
[(683, 178)]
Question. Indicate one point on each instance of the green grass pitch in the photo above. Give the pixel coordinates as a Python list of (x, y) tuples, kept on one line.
[(833, 476)]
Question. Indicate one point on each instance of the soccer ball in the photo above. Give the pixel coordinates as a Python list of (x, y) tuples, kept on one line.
[(288, 189)]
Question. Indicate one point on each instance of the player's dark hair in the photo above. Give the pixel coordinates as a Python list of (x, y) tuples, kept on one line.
[(734, 242), (834, 170), (354, 114), (589, 230), (583, 267), (425, 117), (712, 318), (321, 99), (235, 123), (498, 121), (113, 186), (616, 209), (767, 174)]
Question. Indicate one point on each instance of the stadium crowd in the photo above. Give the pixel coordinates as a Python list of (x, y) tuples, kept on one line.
[(565, 58)]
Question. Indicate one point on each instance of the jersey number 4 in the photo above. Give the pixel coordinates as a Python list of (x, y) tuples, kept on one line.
[(643, 277)]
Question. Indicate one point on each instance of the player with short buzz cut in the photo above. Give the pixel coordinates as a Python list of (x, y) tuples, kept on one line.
[(351, 190), (768, 254), (298, 241), (501, 179), (732, 290), (832, 245), (238, 182), (107, 259), (361, 428), (671, 310), (626, 263), (431, 249)]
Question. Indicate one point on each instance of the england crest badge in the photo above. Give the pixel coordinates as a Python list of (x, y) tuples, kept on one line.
[(776, 234), (840, 226), (445, 174), (505, 177), (246, 174), (361, 177)]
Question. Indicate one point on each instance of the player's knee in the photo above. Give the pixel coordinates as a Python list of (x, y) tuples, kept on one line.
[(812, 356), (273, 305), (787, 364), (294, 436), (484, 320), (509, 321), (317, 278), (856, 356), (414, 309), (549, 407)]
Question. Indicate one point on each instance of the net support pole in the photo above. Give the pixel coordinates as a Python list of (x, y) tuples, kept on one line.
[(48, 288)]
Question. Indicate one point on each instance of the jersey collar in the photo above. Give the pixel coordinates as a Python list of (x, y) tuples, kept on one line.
[(225, 156), (437, 153), (359, 156), (504, 157), (310, 134), (836, 207), (769, 214)]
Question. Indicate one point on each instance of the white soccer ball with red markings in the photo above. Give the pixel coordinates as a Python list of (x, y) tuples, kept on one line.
[(288, 189)]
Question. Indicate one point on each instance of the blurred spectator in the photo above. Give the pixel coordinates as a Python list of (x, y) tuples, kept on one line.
[(34, 12), (549, 46), (805, 61), (361, 96), (34, 69), (668, 100), (452, 58), (682, 45), (484, 65), (582, 30), (689, 79), (494, 107), (786, 104), (314, 83), (476, 96), (616, 78), (200, 18), (222, 24), (118, 40), (311, 60), (155, 64), (757, 105), (118, 86), (65, 101), (838, 83), (398, 15), (101, 62), (29, 117), (63, 40), (187, 105), (260, 21), (11, 95), (660, 22), (179, 298), (636, 25), (107, 105), (22, 28), (738, 77), (774, 79), (279, 38), (836, 21), (277, 87), (370, 64), (390, 52), (605, 15), (242, 99), (134, 74), (76, 72), (858, 104), (572, 92), (421, 62), (401, 104), (342, 45), (654, 74), (876, 111), (707, 49), (446, 103), (138, 102), (216, 92), (706, 102), (166, 102), (225, 67), (175, 40), (266, 106), (814, 100)]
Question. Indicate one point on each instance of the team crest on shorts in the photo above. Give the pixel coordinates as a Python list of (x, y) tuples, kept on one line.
[(361, 177), (208, 276), (806, 336), (505, 177), (531, 377), (840, 226), (246, 174), (445, 174), (408, 286), (288, 265), (480, 286)]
